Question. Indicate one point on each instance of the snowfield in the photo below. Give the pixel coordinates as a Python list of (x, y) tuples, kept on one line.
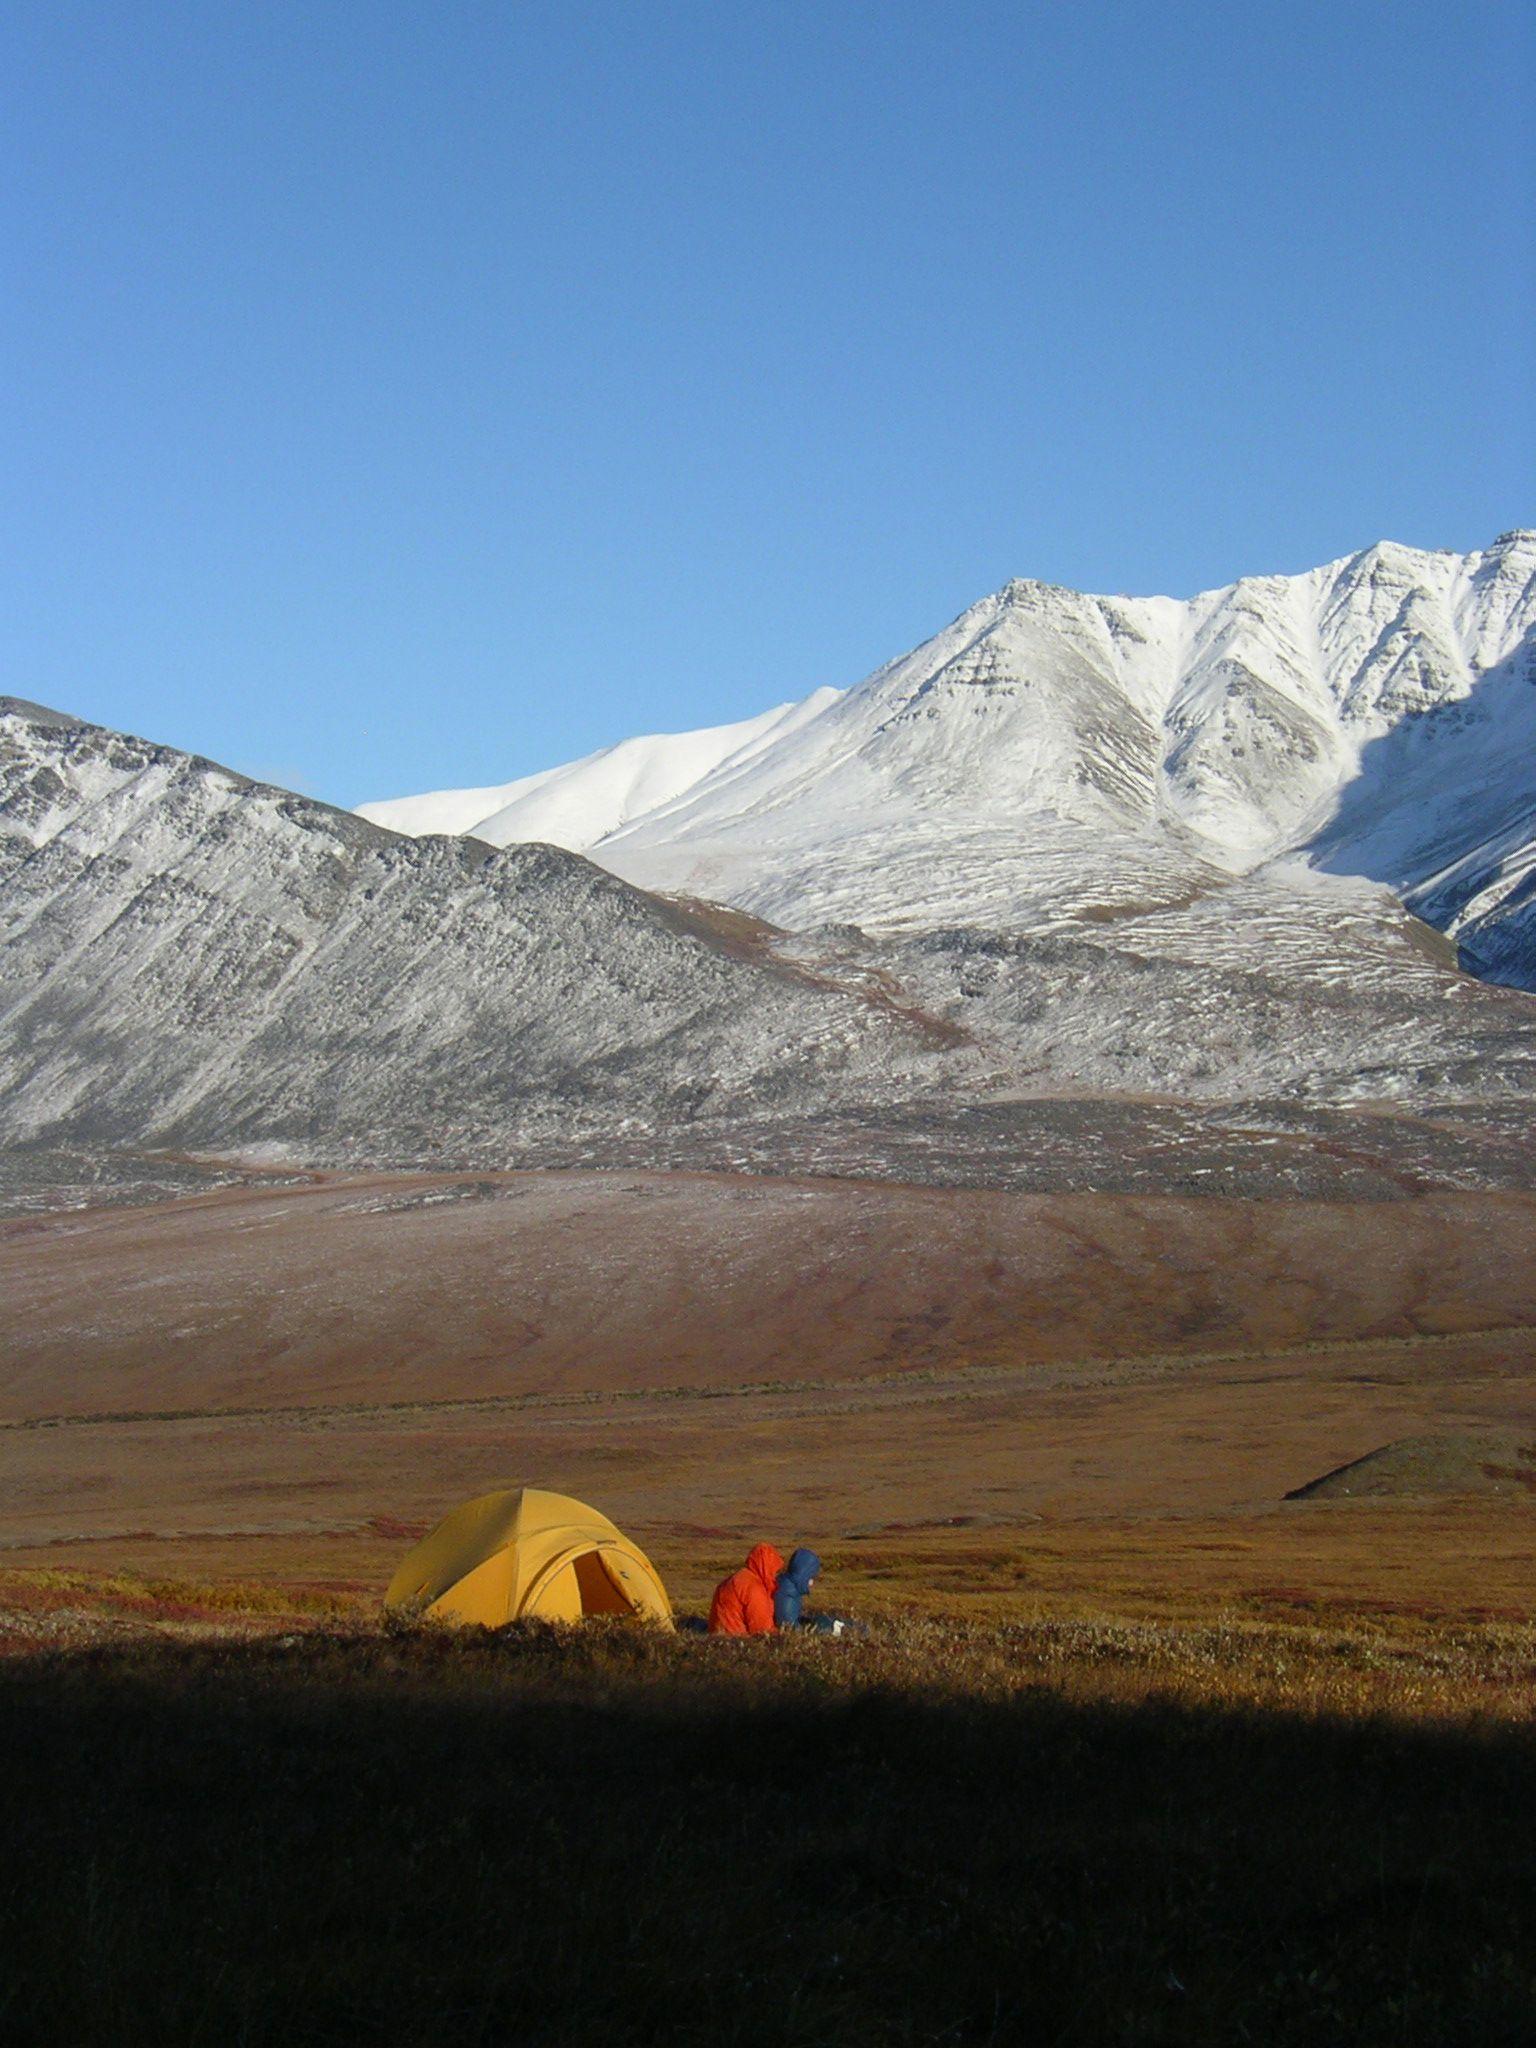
[(1052, 759)]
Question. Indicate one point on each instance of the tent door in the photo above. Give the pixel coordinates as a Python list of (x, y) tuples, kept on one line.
[(598, 1587), (602, 1590)]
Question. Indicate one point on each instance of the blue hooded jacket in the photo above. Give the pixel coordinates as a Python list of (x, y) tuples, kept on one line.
[(794, 1583)]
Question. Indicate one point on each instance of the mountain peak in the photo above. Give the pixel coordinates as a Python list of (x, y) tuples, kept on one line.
[(1049, 748)]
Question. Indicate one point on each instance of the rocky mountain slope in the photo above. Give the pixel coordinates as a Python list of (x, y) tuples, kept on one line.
[(1051, 762), (194, 960), (190, 961)]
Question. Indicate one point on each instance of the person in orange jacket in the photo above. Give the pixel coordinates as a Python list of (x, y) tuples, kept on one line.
[(743, 1603)]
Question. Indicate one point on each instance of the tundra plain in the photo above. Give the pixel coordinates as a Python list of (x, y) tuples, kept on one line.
[(1088, 1394)]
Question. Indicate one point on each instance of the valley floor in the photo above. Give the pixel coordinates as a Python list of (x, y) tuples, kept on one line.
[(1135, 1751), (810, 1359)]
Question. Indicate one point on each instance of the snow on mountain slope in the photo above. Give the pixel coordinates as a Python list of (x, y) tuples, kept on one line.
[(599, 794), (1052, 759), (193, 959)]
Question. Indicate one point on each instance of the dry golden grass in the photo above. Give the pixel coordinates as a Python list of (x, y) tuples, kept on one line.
[(1411, 1611), (98, 1602)]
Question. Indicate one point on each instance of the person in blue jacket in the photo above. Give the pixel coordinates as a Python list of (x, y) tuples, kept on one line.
[(795, 1581)]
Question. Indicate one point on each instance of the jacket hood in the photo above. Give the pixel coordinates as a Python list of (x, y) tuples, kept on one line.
[(766, 1563), (803, 1566)]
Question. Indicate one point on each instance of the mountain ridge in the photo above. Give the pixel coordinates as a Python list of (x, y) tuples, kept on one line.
[(192, 958), (193, 962), (1051, 751)]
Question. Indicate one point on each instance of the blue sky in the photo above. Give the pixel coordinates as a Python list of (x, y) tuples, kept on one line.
[(402, 395)]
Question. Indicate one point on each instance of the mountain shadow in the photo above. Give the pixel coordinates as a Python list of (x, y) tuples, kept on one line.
[(1443, 810)]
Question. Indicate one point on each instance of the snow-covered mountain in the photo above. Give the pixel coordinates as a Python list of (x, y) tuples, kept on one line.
[(1072, 847), (188, 958), (1052, 761), (192, 960), (591, 799)]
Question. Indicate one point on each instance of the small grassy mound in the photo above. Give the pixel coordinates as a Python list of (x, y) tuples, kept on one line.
[(1424, 1465)]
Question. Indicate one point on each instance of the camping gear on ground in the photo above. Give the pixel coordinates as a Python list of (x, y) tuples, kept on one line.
[(795, 1581), (743, 1603), (523, 1552)]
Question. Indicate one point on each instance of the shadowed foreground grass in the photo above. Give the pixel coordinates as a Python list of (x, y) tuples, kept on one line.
[(611, 1836)]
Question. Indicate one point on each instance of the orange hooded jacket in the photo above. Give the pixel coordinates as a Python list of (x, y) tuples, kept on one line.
[(743, 1603)]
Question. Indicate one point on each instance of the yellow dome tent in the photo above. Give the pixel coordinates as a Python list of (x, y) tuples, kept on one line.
[(525, 1552)]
